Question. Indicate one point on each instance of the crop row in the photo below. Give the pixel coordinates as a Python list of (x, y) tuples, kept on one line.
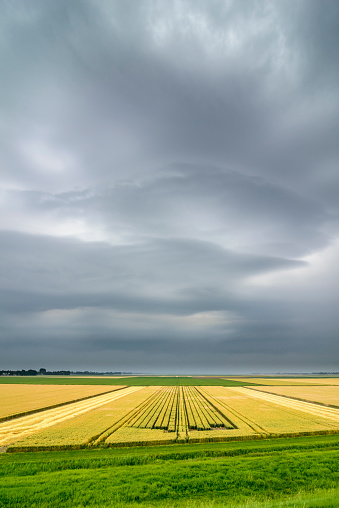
[(179, 409), (159, 411), (155, 415), (201, 413)]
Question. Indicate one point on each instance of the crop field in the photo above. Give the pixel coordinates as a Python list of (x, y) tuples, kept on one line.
[(24, 399), (280, 381), (327, 395), (291, 404), (183, 407), (18, 428), (328, 381), (168, 414), (91, 428), (280, 416), (308, 407)]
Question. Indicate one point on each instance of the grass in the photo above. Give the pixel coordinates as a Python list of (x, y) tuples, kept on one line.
[(275, 472), (128, 381)]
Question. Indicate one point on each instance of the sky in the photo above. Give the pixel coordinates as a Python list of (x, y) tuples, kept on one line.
[(169, 185)]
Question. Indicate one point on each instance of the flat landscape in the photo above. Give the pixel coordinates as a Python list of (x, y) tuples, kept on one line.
[(180, 442), (163, 410), (286, 472), (169, 254)]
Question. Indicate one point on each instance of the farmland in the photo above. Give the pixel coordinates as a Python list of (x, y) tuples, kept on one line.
[(291, 404), (189, 445), (25, 399), (127, 381), (151, 415), (327, 395), (296, 472), (285, 381), (18, 428)]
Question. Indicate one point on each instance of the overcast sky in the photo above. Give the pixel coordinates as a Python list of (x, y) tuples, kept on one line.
[(169, 185)]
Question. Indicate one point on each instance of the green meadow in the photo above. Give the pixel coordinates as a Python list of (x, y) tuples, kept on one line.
[(296, 472), (129, 381)]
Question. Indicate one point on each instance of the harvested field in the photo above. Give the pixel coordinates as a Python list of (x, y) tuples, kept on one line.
[(19, 428), (267, 417), (307, 407), (93, 426), (151, 415), (167, 414), (274, 381), (23, 399), (319, 381), (327, 395)]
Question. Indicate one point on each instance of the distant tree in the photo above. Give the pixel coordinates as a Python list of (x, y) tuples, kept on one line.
[(42, 372)]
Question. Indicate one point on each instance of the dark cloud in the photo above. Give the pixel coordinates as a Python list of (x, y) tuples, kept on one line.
[(169, 184), (174, 276), (239, 211)]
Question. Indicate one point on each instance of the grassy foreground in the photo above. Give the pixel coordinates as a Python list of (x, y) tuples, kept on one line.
[(290, 472), (129, 381)]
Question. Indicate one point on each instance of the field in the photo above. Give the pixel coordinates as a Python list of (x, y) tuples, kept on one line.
[(192, 443), (327, 395), (151, 415), (291, 404), (285, 381), (127, 381), (25, 399), (294, 472), (18, 428)]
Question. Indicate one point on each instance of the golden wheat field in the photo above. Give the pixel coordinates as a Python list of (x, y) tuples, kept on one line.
[(23, 399), (291, 404), (168, 414), (90, 427), (327, 395), (18, 428), (267, 416), (272, 381), (328, 381)]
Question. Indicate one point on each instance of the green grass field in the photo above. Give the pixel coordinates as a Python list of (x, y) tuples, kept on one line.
[(296, 472), (130, 381)]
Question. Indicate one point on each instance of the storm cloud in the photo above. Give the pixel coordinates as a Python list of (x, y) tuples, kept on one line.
[(169, 185)]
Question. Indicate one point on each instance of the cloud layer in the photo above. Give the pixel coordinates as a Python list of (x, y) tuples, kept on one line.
[(169, 186)]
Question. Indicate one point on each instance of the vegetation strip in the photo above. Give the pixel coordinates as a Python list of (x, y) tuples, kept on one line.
[(150, 457), (128, 381), (176, 475)]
